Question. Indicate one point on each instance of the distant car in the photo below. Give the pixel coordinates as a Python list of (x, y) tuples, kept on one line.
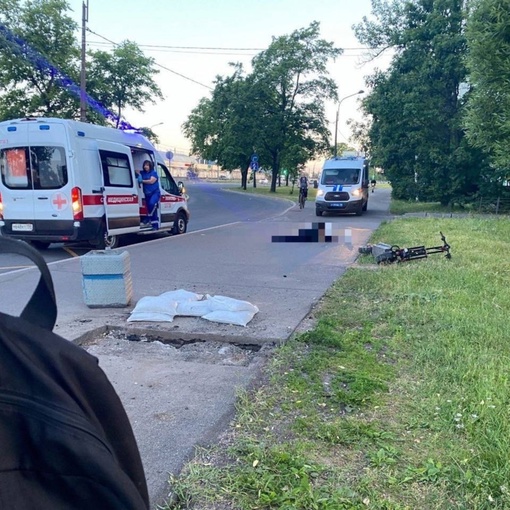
[(223, 177), (264, 181)]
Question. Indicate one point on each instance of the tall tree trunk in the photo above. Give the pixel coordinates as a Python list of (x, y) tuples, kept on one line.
[(244, 176), (276, 171)]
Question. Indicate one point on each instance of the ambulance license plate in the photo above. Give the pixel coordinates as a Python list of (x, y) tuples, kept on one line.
[(22, 227)]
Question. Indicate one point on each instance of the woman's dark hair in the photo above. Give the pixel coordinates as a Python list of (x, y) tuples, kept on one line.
[(150, 163)]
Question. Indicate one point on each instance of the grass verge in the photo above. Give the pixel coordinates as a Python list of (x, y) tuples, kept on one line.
[(399, 398), (283, 191)]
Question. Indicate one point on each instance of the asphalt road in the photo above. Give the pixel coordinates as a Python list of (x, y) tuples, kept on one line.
[(212, 205)]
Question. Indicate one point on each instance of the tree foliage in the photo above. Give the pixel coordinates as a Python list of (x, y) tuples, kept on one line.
[(416, 133), (488, 59), (26, 89), (122, 78), (117, 80), (221, 128), (276, 111)]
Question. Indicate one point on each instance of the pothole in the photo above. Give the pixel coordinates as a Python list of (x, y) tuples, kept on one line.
[(190, 348)]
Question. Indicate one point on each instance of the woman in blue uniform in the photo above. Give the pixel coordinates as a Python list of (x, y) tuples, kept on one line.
[(148, 177)]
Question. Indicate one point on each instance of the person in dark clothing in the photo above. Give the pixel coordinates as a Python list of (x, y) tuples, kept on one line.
[(148, 178)]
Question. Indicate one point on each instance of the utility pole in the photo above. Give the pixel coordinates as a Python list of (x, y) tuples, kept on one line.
[(83, 100)]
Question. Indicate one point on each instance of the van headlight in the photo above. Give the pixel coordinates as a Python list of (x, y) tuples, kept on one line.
[(320, 192), (356, 192)]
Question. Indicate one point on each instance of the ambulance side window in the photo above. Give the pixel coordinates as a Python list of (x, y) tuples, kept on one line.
[(116, 169)]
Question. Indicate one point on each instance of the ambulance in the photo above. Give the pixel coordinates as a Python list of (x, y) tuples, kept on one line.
[(67, 181), (343, 186)]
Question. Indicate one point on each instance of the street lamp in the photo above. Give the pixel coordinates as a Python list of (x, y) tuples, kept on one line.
[(154, 125), (338, 113)]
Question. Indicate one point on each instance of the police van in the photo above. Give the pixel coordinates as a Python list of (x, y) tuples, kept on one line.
[(343, 186), (65, 181)]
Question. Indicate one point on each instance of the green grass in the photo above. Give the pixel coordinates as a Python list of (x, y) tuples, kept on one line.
[(409, 206), (398, 398), (283, 191)]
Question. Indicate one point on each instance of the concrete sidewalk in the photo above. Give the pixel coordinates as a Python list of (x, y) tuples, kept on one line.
[(177, 399)]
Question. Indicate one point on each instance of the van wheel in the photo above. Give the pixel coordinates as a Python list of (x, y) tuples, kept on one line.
[(180, 224), (365, 206), (105, 241), (359, 210), (318, 212), (111, 241), (40, 245)]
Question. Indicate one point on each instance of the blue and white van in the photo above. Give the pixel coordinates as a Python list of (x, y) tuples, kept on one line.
[(343, 186)]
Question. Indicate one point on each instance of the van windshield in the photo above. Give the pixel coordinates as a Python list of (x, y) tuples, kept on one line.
[(334, 176), (33, 167)]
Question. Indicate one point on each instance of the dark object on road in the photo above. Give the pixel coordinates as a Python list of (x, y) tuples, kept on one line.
[(387, 254), (66, 440)]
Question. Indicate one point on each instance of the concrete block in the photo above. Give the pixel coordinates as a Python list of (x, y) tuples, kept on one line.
[(106, 279)]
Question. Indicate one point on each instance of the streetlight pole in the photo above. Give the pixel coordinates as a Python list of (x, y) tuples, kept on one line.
[(338, 113), (154, 125)]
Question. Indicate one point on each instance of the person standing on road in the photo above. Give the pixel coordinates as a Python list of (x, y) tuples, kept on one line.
[(148, 178)]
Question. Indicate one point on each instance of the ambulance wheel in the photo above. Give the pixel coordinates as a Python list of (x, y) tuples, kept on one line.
[(318, 212), (111, 241), (40, 245), (365, 207), (105, 241), (180, 224)]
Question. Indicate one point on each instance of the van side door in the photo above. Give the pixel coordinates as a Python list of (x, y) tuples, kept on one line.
[(120, 188)]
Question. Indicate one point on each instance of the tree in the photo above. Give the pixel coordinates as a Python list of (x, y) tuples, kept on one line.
[(40, 66), (123, 78), (277, 110), (488, 116), (221, 128), (28, 89), (342, 147), (292, 84), (416, 134)]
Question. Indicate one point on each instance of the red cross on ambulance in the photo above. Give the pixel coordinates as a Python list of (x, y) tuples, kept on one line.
[(59, 201)]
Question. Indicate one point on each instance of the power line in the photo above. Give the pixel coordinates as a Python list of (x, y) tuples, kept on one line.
[(206, 50), (163, 49), (216, 48), (159, 65)]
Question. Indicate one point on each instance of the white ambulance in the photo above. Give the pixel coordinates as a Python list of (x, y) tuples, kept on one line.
[(343, 186), (65, 181)]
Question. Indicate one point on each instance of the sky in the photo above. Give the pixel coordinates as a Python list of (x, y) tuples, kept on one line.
[(179, 35)]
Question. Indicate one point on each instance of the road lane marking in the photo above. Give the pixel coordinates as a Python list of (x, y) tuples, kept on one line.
[(71, 252), (15, 267)]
